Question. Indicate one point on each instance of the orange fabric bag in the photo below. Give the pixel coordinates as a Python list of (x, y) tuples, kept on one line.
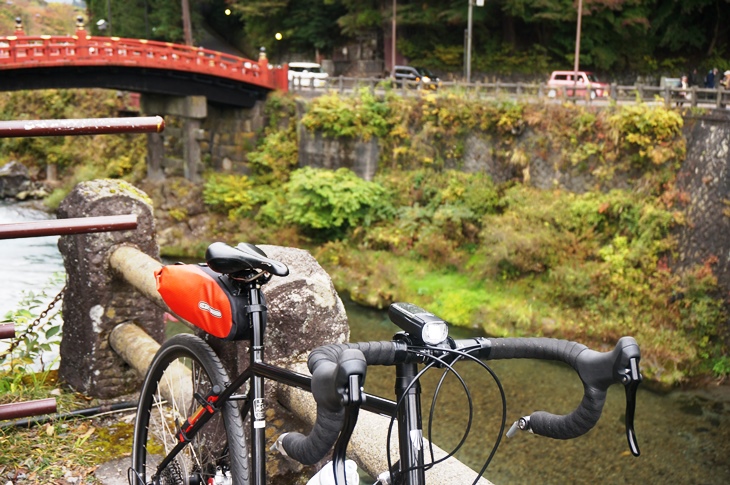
[(204, 298)]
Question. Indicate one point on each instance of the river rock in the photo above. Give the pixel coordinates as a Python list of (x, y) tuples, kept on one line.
[(14, 179)]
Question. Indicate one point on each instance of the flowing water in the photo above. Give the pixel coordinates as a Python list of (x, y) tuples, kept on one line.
[(27, 265), (684, 436)]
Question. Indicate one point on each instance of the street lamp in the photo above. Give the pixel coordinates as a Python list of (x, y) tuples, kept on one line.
[(480, 3)]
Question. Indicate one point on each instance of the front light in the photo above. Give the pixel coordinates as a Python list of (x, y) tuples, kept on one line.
[(418, 323), (433, 333)]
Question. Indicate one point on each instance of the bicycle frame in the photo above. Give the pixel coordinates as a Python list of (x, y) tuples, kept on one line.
[(408, 414)]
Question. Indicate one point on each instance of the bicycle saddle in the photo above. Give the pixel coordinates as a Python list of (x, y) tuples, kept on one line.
[(226, 259)]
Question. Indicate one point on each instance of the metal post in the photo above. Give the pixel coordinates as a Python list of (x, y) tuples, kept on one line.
[(468, 44)]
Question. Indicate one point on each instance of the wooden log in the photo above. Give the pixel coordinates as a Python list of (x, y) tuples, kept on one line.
[(138, 349)]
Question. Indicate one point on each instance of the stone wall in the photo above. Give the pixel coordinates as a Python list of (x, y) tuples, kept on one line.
[(705, 177), (228, 135)]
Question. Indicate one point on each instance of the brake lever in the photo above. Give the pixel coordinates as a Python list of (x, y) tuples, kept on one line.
[(631, 380)]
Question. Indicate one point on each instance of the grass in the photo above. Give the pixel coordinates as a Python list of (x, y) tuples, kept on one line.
[(62, 450)]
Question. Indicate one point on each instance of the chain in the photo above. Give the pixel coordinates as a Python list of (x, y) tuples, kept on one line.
[(19, 338)]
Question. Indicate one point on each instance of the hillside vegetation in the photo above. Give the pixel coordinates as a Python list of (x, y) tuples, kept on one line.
[(39, 17), (503, 257)]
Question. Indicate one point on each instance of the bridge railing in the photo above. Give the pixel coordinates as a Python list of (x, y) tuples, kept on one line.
[(667, 95), (83, 50)]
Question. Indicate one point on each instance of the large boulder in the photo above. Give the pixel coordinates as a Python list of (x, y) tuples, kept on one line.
[(14, 179)]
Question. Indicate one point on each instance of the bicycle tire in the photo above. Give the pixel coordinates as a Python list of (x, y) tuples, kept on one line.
[(219, 445)]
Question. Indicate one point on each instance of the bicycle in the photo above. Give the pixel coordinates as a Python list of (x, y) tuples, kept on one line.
[(189, 427)]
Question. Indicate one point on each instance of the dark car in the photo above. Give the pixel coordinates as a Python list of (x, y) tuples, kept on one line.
[(415, 77)]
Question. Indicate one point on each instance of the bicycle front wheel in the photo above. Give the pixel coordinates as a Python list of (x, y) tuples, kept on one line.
[(186, 366)]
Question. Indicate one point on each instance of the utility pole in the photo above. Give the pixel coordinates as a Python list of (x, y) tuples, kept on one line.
[(109, 15), (392, 46), (480, 3), (468, 44), (576, 62), (187, 26)]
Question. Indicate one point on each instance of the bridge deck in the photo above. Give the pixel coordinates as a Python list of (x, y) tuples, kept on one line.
[(35, 62)]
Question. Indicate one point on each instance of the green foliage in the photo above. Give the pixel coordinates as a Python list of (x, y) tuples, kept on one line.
[(228, 194), (32, 340), (275, 157), (653, 134), (277, 153), (327, 203), (362, 116)]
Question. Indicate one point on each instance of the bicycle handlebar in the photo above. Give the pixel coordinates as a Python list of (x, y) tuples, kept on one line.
[(330, 365), (597, 371)]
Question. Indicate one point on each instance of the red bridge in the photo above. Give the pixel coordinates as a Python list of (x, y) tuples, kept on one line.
[(83, 61)]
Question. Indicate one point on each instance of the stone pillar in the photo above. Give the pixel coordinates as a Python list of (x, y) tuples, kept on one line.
[(155, 156), (191, 149), (96, 299), (192, 109)]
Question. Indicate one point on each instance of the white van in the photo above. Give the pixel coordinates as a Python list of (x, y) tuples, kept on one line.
[(307, 74)]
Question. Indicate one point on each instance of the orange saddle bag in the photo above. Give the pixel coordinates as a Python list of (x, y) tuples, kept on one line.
[(204, 298)]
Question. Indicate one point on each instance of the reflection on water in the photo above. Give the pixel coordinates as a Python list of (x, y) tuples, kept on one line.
[(684, 437), (28, 263)]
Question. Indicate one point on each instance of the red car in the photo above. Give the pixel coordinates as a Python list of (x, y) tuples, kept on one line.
[(562, 83)]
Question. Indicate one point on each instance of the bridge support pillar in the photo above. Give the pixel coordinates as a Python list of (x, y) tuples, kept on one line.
[(192, 109)]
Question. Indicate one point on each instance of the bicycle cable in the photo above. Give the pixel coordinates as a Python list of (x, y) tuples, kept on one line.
[(460, 355)]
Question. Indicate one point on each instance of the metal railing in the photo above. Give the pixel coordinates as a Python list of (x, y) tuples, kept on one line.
[(637, 93)]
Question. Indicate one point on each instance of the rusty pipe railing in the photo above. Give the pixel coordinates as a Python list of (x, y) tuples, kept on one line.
[(84, 126), (28, 408), (7, 330), (61, 227), (52, 227)]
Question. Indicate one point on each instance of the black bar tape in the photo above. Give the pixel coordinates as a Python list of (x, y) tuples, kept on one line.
[(376, 353), (323, 363), (536, 348), (572, 425), (591, 366), (308, 450)]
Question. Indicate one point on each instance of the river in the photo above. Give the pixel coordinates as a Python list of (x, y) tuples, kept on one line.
[(26, 264), (684, 436)]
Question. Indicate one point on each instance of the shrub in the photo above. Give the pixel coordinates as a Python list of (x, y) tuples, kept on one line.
[(328, 203), (228, 194)]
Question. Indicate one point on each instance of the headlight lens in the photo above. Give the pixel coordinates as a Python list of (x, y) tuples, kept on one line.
[(434, 333)]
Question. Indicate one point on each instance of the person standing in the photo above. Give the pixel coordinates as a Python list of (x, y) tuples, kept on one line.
[(694, 77), (684, 94), (725, 83), (711, 78)]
